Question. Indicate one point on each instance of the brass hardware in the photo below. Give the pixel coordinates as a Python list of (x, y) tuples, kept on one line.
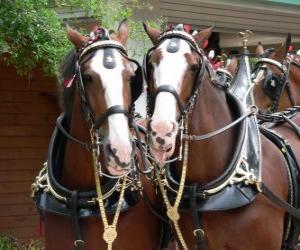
[(199, 230), (245, 36)]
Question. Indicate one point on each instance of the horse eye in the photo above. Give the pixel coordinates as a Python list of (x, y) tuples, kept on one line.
[(87, 78)]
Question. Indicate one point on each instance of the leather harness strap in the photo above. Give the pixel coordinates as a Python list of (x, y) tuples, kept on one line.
[(198, 231), (78, 243), (279, 202)]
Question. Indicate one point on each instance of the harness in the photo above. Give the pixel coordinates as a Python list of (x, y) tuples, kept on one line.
[(240, 182), (121, 192), (274, 85)]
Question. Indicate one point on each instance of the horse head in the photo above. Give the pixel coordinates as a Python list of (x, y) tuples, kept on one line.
[(106, 83), (273, 78), (171, 67)]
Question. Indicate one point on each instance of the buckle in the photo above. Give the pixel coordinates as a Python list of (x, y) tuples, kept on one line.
[(197, 231), (79, 243)]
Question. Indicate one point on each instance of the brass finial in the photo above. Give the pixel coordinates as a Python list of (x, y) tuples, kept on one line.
[(245, 35)]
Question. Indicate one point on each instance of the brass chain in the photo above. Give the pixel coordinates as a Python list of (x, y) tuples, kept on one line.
[(172, 211), (110, 231)]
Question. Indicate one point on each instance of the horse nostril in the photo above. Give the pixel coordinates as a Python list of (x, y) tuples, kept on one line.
[(174, 127), (160, 141), (169, 149)]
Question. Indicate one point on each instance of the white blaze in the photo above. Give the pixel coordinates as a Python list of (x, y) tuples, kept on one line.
[(112, 83), (259, 77), (170, 71)]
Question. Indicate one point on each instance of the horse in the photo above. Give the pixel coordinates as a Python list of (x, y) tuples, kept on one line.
[(194, 136), (277, 78), (94, 188)]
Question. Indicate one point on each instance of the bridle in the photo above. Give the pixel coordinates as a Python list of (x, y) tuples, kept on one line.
[(173, 36), (274, 85), (184, 109), (83, 55)]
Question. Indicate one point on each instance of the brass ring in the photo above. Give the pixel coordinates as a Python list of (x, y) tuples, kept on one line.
[(199, 230)]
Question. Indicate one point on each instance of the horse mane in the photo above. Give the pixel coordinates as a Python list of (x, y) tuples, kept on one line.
[(67, 70)]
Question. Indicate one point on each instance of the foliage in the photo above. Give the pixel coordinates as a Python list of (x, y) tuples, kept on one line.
[(10, 243), (31, 31)]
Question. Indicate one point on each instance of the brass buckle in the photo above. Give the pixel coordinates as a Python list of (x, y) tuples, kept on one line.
[(199, 230), (79, 243)]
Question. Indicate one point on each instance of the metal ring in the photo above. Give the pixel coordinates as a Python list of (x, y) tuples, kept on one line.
[(199, 230), (79, 243)]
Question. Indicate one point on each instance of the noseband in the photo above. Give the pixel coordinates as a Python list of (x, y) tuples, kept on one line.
[(274, 85)]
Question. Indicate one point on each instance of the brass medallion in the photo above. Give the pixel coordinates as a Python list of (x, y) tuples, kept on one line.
[(173, 214), (110, 234)]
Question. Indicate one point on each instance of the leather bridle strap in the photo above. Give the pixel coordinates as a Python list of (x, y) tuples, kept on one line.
[(116, 109), (170, 89)]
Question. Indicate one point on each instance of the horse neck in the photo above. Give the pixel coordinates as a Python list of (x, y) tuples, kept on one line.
[(294, 80), (77, 172), (208, 159)]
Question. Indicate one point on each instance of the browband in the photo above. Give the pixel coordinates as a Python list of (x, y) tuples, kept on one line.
[(103, 44), (273, 62)]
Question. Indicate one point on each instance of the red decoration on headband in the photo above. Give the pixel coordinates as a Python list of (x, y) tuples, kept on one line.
[(187, 28), (205, 44), (290, 48), (68, 82), (217, 65)]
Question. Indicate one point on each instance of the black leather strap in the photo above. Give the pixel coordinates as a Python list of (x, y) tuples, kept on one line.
[(279, 202), (116, 109), (78, 243), (85, 145), (170, 89), (198, 231)]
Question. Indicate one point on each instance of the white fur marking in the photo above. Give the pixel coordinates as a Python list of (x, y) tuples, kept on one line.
[(170, 71), (112, 83), (259, 76)]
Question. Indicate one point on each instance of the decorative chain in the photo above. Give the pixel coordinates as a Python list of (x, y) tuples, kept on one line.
[(110, 231), (172, 211)]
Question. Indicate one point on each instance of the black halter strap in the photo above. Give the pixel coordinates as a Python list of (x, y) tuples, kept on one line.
[(116, 109), (170, 89)]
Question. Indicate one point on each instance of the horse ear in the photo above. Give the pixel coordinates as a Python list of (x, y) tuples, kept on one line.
[(123, 32), (284, 48), (152, 33), (75, 37), (232, 66), (203, 35), (259, 50)]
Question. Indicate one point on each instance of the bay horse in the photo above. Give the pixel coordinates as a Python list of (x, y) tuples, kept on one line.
[(91, 159), (277, 78), (186, 109)]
